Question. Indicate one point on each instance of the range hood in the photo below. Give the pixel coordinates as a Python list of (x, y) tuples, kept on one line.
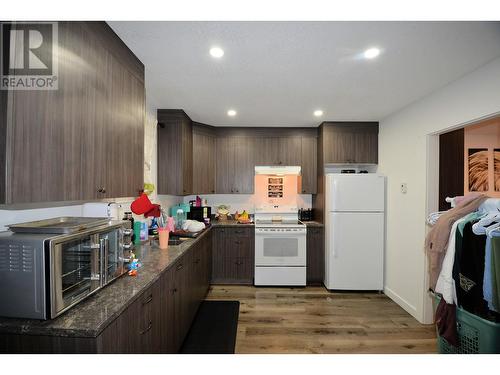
[(278, 170)]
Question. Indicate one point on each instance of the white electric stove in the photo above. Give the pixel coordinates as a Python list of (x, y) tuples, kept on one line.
[(280, 246)]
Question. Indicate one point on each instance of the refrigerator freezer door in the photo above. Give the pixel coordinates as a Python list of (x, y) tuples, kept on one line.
[(354, 251), (355, 192)]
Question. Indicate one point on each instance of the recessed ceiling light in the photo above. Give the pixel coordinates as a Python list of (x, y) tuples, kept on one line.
[(216, 52), (318, 113), (231, 113), (371, 53)]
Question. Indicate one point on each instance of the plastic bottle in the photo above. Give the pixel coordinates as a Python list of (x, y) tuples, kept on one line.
[(137, 232), (179, 221), (144, 231)]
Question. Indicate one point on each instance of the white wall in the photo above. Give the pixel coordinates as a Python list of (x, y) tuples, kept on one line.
[(403, 138)]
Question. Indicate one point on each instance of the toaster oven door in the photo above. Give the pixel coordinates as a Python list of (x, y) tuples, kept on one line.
[(75, 271), (112, 255)]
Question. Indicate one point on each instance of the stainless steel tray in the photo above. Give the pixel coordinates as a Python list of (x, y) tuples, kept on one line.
[(59, 225)]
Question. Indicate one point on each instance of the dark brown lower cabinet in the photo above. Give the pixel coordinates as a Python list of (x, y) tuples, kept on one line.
[(233, 255), (315, 255), (138, 329), (156, 322)]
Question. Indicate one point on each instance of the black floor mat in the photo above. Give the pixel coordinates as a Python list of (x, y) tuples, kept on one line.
[(214, 329)]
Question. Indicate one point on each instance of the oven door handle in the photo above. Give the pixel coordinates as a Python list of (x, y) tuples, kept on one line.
[(103, 261), (278, 233)]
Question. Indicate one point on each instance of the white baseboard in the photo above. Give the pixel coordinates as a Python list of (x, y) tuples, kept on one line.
[(412, 310)]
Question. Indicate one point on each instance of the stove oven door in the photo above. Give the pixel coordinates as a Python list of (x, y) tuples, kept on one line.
[(280, 247)]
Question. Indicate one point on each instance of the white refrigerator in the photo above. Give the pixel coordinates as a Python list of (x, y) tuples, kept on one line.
[(354, 231)]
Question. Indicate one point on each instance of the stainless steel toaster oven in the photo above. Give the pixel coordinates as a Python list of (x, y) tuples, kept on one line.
[(42, 275)]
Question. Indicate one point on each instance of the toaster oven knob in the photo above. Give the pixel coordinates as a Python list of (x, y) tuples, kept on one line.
[(127, 232)]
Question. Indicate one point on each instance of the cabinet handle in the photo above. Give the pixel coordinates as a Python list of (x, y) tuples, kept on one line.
[(237, 242), (197, 261), (237, 191), (213, 191), (150, 298), (238, 231), (101, 190), (147, 329), (174, 290), (238, 263), (179, 267)]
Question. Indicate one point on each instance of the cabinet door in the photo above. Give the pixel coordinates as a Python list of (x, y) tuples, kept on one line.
[(339, 145), (175, 153), (233, 256), (150, 317), (290, 151), (225, 165), (219, 238), (267, 151), (315, 255), (187, 157), (235, 165), (309, 163), (203, 163), (244, 168), (124, 135), (168, 317), (182, 300), (367, 145)]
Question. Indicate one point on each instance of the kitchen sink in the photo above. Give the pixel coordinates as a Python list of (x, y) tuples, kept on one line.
[(174, 241)]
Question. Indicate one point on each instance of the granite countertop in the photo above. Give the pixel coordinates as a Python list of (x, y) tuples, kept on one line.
[(91, 316), (313, 224)]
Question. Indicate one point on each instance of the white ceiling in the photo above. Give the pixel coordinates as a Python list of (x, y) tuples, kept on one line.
[(278, 73)]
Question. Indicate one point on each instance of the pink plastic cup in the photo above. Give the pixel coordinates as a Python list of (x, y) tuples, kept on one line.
[(163, 237)]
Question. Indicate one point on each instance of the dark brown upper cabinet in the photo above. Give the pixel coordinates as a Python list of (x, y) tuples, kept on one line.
[(204, 143), (235, 165), (350, 142), (84, 140), (278, 150), (175, 152), (309, 162)]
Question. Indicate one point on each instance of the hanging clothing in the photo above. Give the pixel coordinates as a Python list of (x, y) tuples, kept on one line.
[(446, 322), (445, 284), (473, 216), (436, 241), (495, 272), (488, 267), (468, 271)]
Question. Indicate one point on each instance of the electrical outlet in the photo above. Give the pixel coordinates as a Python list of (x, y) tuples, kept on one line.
[(404, 188)]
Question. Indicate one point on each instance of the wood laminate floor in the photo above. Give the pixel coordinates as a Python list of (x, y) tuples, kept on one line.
[(313, 320)]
